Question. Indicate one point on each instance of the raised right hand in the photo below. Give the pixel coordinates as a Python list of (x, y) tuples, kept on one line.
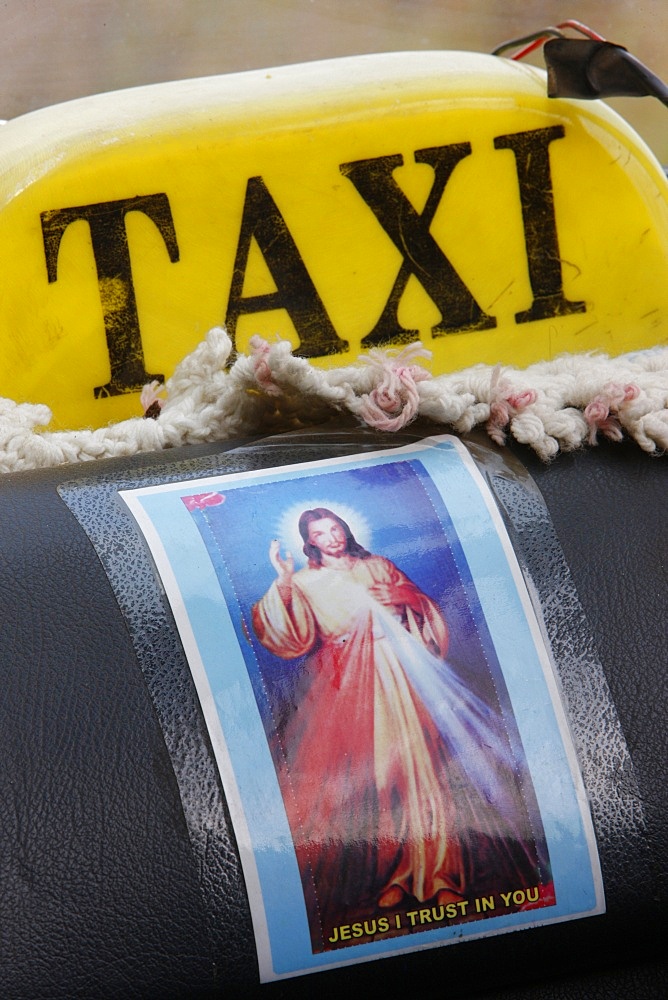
[(285, 568)]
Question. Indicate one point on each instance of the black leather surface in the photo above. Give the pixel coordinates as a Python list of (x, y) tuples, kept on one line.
[(609, 507), (101, 889), (99, 894)]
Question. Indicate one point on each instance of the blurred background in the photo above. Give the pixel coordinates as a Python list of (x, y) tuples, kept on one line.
[(58, 50)]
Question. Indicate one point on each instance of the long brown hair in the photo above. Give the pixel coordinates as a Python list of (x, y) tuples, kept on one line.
[(312, 553)]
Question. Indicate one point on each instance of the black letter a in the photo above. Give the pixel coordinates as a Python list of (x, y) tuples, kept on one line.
[(295, 293)]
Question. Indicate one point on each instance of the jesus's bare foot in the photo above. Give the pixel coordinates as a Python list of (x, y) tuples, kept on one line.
[(445, 896), (391, 896)]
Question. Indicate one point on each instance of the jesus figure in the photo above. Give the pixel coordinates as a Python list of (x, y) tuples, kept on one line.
[(381, 763)]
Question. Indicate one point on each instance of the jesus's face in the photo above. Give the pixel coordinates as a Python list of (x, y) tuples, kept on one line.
[(327, 535)]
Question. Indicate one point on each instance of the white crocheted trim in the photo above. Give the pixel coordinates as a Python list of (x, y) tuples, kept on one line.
[(550, 405)]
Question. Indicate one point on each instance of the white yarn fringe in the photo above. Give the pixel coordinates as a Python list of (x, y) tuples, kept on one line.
[(550, 405)]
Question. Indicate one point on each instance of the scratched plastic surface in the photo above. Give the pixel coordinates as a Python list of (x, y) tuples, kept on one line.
[(341, 205)]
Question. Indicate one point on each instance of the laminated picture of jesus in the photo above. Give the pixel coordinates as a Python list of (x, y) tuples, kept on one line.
[(404, 784), (380, 702)]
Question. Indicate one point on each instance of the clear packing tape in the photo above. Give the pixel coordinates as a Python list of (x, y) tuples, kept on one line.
[(601, 747)]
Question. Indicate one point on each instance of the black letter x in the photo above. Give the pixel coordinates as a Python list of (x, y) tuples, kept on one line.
[(409, 231)]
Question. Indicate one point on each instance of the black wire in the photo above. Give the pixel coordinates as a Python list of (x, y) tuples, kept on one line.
[(654, 85), (514, 43)]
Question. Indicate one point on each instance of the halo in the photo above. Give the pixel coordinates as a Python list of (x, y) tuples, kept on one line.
[(287, 531)]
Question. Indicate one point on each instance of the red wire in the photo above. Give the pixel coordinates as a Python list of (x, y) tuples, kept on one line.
[(537, 42), (575, 25), (583, 29)]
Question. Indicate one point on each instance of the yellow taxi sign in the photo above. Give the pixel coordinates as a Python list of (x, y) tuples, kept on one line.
[(342, 205)]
